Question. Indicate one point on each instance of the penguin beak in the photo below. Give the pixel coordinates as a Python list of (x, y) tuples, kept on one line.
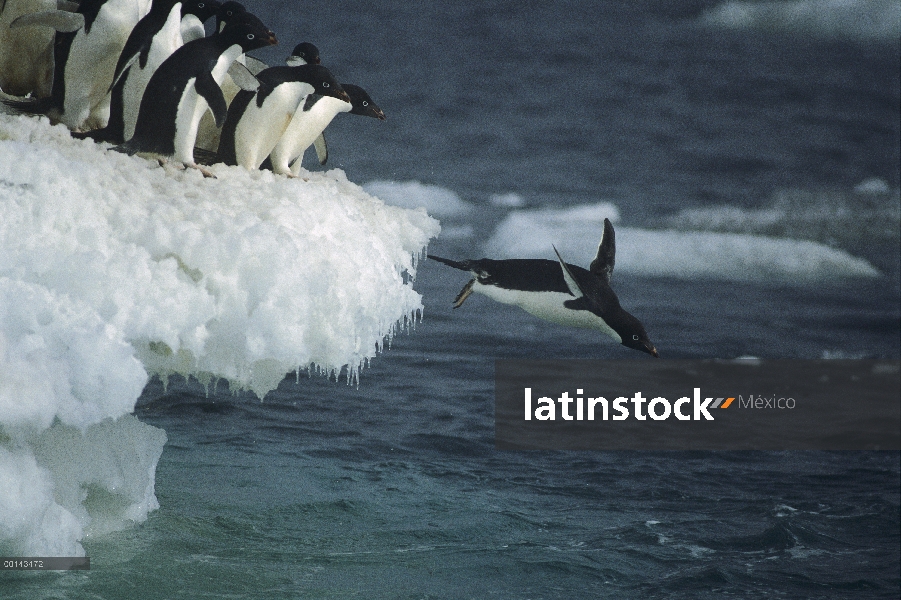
[(650, 349), (342, 95), (380, 114), (272, 39)]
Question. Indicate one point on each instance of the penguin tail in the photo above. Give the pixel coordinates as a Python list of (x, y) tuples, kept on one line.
[(40, 106), (131, 147), (203, 156), (98, 135), (457, 264)]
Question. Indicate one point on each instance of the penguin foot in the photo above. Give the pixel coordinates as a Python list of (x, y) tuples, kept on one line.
[(206, 172), (464, 294)]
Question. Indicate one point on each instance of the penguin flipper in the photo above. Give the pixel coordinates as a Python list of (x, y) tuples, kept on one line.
[(602, 265), (243, 77), (571, 282), (254, 65), (209, 90), (321, 148), (60, 20), (121, 71)]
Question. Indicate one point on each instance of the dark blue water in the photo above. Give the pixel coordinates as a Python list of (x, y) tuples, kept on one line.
[(393, 489)]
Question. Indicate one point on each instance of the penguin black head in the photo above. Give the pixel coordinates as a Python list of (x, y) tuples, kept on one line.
[(634, 336), (202, 9), (323, 81), (306, 52), (247, 31), (362, 103), (227, 13), (592, 291)]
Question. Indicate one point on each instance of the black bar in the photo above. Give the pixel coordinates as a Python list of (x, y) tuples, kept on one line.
[(45, 563)]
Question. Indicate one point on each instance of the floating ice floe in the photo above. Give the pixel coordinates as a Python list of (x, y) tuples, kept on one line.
[(576, 233), (852, 19)]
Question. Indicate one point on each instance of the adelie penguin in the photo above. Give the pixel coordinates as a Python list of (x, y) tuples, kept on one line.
[(194, 13), (256, 120), (559, 292), (151, 42), (310, 121), (87, 46), (304, 53), (186, 85)]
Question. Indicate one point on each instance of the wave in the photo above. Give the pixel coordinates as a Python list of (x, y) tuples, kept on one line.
[(112, 268), (670, 253), (853, 19)]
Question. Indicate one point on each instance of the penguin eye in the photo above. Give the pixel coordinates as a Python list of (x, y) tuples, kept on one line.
[(200, 5), (250, 36), (325, 84), (635, 337), (365, 103), (229, 13)]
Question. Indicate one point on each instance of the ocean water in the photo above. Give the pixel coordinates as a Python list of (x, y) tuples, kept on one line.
[(749, 159)]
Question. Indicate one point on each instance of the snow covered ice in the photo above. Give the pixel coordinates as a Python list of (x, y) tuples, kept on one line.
[(113, 269)]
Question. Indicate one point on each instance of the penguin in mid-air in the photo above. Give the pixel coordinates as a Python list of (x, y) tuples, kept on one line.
[(88, 43), (256, 120), (559, 292), (310, 121), (186, 85)]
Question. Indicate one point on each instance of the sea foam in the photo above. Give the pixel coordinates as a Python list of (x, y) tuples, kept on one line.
[(576, 233), (113, 268)]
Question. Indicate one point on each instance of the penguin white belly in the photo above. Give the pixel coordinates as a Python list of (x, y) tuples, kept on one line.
[(192, 107), (191, 28), (260, 128), (303, 129), (165, 42), (190, 104), (26, 53), (92, 61), (548, 306)]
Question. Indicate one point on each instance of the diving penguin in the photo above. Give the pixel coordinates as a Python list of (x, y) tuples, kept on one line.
[(256, 120), (186, 85), (559, 292)]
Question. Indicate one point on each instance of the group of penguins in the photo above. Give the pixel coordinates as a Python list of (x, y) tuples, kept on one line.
[(143, 74)]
